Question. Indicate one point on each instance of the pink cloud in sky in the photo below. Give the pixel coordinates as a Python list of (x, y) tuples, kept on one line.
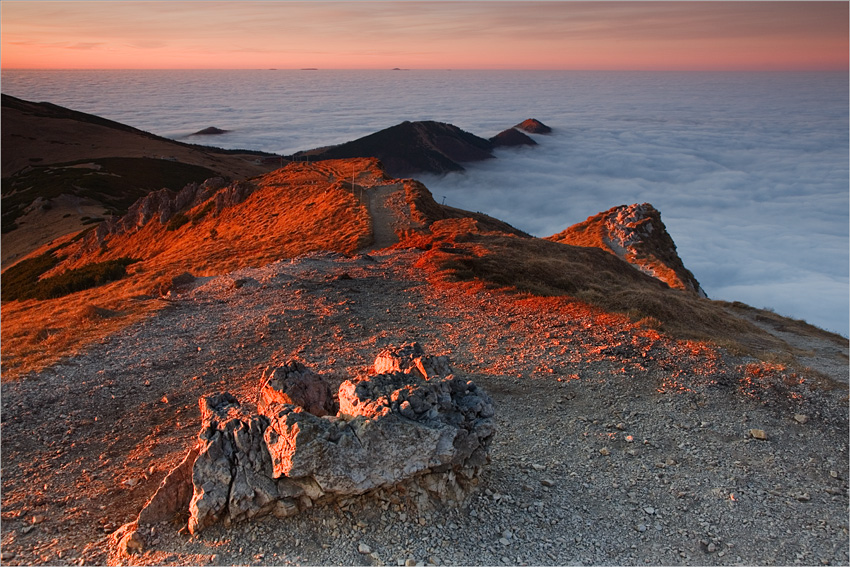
[(483, 35)]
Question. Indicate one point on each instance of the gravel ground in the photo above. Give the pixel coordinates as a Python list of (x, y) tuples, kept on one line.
[(615, 445)]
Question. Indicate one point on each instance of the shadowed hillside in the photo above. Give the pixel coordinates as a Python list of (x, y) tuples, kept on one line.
[(64, 170)]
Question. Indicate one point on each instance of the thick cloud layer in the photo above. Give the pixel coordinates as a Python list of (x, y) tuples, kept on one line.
[(749, 171)]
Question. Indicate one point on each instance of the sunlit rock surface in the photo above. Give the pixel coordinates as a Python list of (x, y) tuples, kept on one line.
[(413, 424), (636, 234)]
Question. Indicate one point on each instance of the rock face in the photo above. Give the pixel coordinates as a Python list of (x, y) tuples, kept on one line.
[(163, 205), (412, 425), (636, 234)]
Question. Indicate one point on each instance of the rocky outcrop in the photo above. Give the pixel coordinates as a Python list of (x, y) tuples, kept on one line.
[(533, 126), (164, 204), (413, 426), (636, 234)]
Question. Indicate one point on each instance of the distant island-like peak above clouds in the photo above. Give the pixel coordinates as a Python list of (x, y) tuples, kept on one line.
[(417, 147), (533, 126), (211, 131)]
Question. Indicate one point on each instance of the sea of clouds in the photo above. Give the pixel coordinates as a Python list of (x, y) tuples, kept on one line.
[(749, 171)]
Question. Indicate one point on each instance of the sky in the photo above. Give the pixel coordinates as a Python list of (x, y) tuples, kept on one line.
[(600, 35)]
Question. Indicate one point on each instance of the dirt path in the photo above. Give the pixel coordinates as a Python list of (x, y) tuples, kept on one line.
[(821, 350), (384, 219)]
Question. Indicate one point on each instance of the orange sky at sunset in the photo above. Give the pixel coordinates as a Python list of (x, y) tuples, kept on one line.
[(426, 35)]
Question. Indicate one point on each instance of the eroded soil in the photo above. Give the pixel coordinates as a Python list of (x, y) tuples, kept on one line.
[(615, 444)]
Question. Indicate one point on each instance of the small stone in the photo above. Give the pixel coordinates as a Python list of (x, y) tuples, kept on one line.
[(547, 482), (758, 434), (803, 497), (641, 528), (37, 519), (130, 482), (620, 426), (537, 467), (131, 543), (364, 549), (409, 562), (503, 541), (604, 451), (649, 510), (711, 548), (7, 555), (833, 474), (801, 418)]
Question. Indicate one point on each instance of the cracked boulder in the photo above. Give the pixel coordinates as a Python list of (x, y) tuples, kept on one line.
[(412, 426)]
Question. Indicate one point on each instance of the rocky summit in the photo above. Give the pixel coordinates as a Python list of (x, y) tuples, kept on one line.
[(636, 234)]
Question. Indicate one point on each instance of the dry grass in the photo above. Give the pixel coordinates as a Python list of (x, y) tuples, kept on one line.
[(39, 333), (543, 268), (298, 209)]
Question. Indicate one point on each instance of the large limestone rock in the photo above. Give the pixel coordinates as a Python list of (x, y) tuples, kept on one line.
[(413, 425)]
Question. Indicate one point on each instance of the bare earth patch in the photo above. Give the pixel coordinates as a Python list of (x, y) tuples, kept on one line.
[(614, 443)]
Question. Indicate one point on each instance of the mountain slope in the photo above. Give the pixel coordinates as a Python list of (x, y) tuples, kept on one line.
[(412, 147), (63, 169), (426, 146)]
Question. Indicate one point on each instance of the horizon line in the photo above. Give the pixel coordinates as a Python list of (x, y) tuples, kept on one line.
[(514, 69)]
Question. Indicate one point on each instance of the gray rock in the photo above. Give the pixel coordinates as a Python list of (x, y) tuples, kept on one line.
[(295, 384), (426, 432)]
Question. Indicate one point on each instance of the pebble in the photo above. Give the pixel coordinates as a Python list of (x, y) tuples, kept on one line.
[(547, 482), (759, 434), (364, 549), (801, 418), (604, 451)]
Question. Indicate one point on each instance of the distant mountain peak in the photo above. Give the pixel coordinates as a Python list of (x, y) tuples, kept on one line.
[(412, 147), (512, 137), (533, 126), (425, 146)]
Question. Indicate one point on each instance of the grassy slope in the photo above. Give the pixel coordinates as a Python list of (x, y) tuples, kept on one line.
[(294, 211)]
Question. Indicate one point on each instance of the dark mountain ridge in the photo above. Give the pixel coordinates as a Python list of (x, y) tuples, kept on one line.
[(427, 146)]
